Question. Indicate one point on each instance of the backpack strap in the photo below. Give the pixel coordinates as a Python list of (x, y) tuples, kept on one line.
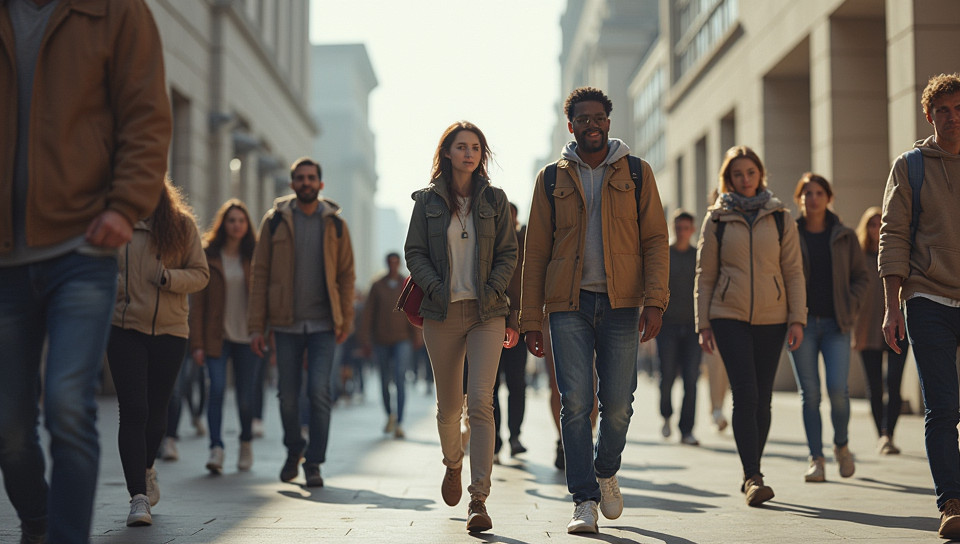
[(549, 184), (778, 216), (915, 175), (636, 172), (275, 221)]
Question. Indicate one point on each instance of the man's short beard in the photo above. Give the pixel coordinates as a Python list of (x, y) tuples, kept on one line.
[(308, 200), (600, 146)]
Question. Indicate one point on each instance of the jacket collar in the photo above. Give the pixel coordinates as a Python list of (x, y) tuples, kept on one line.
[(441, 186)]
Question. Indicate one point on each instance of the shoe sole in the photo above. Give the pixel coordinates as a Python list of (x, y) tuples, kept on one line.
[(215, 469), (814, 479), (613, 516), (477, 524), (761, 496), (140, 521), (592, 529), (950, 529)]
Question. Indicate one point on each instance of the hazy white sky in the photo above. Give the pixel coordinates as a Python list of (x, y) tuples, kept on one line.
[(492, 62)]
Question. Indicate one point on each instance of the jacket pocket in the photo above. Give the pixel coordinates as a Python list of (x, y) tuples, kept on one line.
[(274, 301), (435, 223), (566, 207), (558, 281), (725, 284), (776, 283), (625, 199), (486, 223), (944, 264)]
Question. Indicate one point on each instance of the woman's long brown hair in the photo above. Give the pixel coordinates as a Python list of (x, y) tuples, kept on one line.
[(217, 235), (172, 224)]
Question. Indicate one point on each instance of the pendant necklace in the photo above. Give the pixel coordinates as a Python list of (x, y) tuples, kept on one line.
[(462, 202)]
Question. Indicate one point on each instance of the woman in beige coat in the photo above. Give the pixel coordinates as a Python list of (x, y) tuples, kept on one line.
[(749, 294), (161, 265)]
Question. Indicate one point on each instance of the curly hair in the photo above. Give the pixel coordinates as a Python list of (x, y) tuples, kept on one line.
[(173, 221), (215, 238), (586, 94), (941, 85)]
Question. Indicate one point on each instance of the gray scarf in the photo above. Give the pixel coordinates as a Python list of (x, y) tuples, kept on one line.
[(739, 203)]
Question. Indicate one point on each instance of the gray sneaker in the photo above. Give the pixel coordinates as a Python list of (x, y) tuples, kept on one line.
[(139, 512), (611, 501), (584, 518), (153, 488), (215, 462), (245, 459)]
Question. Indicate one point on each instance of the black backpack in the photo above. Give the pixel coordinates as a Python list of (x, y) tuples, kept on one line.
[(550, 183)]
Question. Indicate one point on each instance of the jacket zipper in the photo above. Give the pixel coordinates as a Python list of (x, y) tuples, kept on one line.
[(723, 295), (156, 309), (777, 283), (752, 289)]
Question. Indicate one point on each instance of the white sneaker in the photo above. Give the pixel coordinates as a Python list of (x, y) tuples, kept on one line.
[(168, 449), (584, 518), (139, 512), (153, 489), (665, 430), (257, 428), (215, 462), (611, 501), (245, 459), (199, 426)]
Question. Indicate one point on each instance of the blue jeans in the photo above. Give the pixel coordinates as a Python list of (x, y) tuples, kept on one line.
[(394, 361), (319, 348), (613, 336), (678, 348), (246, 370), (823, 335), (934, 331), (68, 300)]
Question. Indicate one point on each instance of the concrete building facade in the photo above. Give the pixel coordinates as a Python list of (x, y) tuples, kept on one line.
[(343, 78), (238, 85)]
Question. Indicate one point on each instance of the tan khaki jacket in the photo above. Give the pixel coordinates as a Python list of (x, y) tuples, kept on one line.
[(756, 279), (99, 120), (151, 295), (271, 289), (637, 262), (380, 322)]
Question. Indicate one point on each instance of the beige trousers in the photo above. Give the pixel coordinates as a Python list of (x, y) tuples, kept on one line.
[(461, 335)]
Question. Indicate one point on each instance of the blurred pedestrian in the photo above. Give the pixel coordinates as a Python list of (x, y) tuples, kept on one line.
[(387, 335), (919, 259), (750, 294), (677, 344), (868, 340), (461, 249), (191, 378), (302, 288), (596, 252), (87, 129), (837, 282), (161, 265), (513, 361), (218, 328)]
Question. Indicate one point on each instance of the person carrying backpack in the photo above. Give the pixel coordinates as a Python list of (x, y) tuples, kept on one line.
[(750, 293), (919, 259)]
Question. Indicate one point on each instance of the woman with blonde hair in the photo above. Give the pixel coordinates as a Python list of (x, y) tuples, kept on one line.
[(161, 265), (461, 249), (868, 340), (218, 328), (837, 281), (749, 296)]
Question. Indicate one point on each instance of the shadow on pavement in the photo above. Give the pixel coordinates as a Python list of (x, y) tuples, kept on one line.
[(890, 486), (919, 523), (666, 539), (339, 495), (679, 489)]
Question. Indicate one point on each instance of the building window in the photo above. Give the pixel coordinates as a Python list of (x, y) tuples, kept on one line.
[(700, 25), (649, 120)]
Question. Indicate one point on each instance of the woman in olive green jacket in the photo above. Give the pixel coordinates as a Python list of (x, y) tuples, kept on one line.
[(462, 250)]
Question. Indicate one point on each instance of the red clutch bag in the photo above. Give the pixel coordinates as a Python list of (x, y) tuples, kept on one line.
[(409, 302)]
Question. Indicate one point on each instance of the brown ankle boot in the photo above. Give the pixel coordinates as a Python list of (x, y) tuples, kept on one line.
[(756, 493), (451, 488)]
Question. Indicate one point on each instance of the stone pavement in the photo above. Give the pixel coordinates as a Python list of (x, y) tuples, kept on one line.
[(381, 490)]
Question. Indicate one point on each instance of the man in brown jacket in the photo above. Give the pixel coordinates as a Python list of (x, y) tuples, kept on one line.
[(388, 336), (85, 123), (918, 263), (596, 251), (302, 288)]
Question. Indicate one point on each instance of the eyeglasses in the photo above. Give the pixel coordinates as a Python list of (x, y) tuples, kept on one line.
[(584, 120)]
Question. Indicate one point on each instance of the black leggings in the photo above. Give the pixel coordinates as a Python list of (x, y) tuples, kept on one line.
[(144, 370), (751, 354), (513, 365), (885, 416)]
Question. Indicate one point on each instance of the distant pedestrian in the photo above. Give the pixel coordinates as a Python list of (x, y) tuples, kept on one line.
[(750, 294), (596, 252), (218, 328), (191, 378), (161, 265), (388, 336), (868, 340), (837, 282), (302, 289), (677, 344), (461, 249), (513, 361), (919, 260), (86, 120)]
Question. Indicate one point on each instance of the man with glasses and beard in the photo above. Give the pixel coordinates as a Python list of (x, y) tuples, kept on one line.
[(302, 288), (596, 252)]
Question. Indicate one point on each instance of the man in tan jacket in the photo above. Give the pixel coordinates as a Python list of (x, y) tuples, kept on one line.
[(85, 124), (919, 263), (302, 288), (596, 252)]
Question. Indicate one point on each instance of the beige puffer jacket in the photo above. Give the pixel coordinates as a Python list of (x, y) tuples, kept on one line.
[(756, 278)]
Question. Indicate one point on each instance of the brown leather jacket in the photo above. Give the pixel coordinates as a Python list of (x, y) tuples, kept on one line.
[(99, 122)]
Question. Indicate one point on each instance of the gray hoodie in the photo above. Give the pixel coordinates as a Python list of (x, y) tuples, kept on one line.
[(594, 270)]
